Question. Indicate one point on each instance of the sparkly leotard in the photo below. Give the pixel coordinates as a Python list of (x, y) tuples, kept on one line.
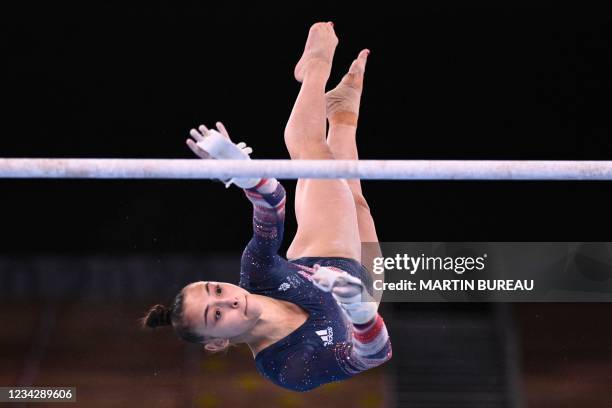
[(327, 347)]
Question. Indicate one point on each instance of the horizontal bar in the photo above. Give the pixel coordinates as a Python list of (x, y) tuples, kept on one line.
[(293, 169)]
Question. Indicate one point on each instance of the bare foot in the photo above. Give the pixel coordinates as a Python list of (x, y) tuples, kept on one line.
[(320, 47), (343, 101)]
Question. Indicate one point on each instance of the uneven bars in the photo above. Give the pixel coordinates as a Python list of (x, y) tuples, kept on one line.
[(293, 169)]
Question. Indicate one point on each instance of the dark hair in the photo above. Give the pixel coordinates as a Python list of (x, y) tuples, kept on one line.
[(160, 315)]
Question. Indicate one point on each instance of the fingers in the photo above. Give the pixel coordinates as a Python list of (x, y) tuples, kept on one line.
[(347, 291), (221, 128), (194, 148), (322, 285), (203, 130), (323, 278), (244, 148), (197, 136), (197, 150)]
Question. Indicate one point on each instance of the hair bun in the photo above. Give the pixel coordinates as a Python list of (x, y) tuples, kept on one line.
[(158, 315)]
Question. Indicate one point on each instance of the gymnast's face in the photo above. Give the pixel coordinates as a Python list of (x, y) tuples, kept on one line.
[(219, 309)]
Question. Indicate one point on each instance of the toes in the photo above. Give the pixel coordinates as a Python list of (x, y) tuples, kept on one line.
[(358, 65), (356, 70), (328, 25), (363, 56), (316, 26)]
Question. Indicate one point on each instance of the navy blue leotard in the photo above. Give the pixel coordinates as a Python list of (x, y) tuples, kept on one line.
[(327, 347)]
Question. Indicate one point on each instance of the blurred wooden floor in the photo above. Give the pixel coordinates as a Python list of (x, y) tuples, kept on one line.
[(566, 354), (565, 349), (98, 349)]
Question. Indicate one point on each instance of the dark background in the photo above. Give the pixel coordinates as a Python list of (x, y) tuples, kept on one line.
[(479, 80), (476, 81)]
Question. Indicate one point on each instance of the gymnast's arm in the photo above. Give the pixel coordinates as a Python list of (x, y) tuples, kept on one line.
[(266, 195), (370, 345), (261, 253)]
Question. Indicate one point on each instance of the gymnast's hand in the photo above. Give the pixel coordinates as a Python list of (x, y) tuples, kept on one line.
[(199, 136), (348, 291), (216, 144), (339, 283)]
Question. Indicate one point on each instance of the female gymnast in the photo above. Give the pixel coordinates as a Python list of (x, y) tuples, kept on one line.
[(308, 319)]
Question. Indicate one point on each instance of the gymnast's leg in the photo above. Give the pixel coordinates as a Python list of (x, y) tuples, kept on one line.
[(342, 105), (325, 209)]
